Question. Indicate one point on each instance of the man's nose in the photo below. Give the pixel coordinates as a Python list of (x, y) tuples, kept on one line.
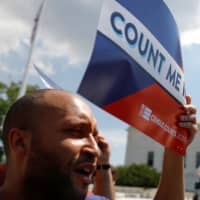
[(92, 146)]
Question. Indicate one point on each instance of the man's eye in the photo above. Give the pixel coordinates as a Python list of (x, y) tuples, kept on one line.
[(71, 129), (74, 132)]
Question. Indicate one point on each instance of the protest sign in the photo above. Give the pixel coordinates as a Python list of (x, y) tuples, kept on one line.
[(135, 71)]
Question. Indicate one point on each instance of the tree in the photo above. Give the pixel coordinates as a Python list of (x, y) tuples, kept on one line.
[(138, 175), (8, 95)]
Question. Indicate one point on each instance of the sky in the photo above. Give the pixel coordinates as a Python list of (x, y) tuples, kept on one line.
[(64, 43)]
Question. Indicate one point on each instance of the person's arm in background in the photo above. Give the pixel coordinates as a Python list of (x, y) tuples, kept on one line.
[(103, 180), (171, 185)]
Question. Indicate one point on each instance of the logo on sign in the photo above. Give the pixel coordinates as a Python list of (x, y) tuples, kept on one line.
[(147, 114)]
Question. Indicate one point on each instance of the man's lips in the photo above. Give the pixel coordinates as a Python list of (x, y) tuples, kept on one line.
[(86, 170)]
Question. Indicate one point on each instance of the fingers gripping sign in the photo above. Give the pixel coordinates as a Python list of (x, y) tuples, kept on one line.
[(188, 119)]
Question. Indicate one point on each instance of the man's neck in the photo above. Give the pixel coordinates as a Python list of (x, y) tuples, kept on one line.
[(39, 191), (11, 194), (8, 194), (46, 193)]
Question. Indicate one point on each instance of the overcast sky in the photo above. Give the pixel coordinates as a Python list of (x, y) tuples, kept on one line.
[(64, 44)]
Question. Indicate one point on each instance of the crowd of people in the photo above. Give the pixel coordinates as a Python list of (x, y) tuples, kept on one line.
[(54, 151)]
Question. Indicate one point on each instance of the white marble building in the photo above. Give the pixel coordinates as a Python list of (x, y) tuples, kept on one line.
[(142, 149)]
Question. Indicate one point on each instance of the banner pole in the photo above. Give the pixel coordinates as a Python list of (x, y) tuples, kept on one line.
[(22, 90)]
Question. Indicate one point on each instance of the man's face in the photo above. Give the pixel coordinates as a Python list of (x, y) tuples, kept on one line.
[(64, 148)]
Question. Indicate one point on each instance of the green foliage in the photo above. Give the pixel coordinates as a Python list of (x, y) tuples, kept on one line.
[(138, 175), (8, 95)]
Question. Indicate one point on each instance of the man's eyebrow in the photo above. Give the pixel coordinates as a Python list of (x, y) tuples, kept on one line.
[(77, 123), (81, 123)]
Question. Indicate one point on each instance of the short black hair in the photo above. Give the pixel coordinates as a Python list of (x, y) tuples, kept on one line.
[(22, 114)]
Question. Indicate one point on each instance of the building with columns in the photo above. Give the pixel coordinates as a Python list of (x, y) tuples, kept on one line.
[(142, 149)]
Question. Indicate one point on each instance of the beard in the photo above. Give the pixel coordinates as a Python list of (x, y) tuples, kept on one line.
[(46, 179)]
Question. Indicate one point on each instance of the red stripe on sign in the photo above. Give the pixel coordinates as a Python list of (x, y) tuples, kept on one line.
[(154, 112)]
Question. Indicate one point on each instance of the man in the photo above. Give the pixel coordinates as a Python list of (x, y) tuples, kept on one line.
[(53, 146), (50, 139)]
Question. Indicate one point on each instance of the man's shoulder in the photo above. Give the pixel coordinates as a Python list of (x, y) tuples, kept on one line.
[(95, 197)]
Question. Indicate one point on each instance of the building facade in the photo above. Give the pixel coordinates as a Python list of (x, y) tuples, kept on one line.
[(143, 150)]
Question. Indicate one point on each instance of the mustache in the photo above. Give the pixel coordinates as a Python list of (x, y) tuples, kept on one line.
[(87, 157)]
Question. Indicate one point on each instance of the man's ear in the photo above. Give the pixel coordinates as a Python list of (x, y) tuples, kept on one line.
[(19, 141)]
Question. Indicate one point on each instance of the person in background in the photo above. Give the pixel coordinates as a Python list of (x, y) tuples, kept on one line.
[(53, 148)]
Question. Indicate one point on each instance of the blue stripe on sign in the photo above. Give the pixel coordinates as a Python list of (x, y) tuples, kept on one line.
[(112, 74), (152, 14)]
